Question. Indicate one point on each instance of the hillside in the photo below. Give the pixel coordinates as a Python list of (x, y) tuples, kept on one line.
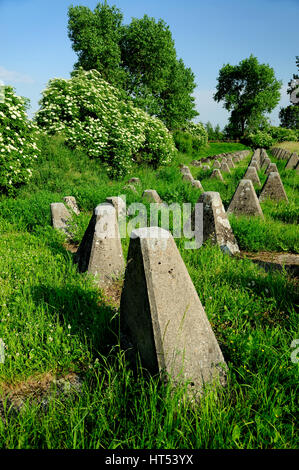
[(62, 333)]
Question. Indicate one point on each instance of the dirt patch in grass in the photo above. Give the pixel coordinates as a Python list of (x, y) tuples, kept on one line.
[(112, 293), (38, 389), (72, 247)]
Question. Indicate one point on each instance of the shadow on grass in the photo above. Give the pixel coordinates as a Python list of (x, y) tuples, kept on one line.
[(87, 312)]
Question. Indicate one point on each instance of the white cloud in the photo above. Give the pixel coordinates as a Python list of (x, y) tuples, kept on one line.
[(11, 76)]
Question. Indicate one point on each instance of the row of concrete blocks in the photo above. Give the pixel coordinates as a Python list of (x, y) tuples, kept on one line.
[(207, 160), (161, 316), (292, 158), (245, 200), (225, 165)]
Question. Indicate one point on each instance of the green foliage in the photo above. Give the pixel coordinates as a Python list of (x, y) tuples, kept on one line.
[(282, 134), (248, 90), (191, 138), (183, 142), (198, 132), (95, 38), (213, 134), (139, 57), (18, 148), (289, 117), (99, 118), (260, 140)]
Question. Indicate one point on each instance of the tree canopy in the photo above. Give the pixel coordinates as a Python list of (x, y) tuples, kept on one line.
[(249, 90), (139, 57)]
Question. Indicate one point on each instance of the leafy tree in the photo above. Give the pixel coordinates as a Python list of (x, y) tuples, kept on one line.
[(248, 90), (139, 57), (210, 130), (95, 37), (289, 117)]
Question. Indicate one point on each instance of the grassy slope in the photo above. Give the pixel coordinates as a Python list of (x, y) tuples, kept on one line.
[(291, 146), (54, 320)]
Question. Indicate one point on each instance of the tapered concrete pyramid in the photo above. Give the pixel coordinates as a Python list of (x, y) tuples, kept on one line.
[(255, 163), (272, 168), (197, 184), (292, 161), (245, 201), (224, 167), (273, 189), (251, 174), (216, 226), (100, 252), (217, 174), (162, 318), (266, 163), (230, 162)]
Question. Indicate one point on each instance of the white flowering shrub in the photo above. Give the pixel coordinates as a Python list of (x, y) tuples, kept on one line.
[(198, 132), (101, 119), (18, 146)]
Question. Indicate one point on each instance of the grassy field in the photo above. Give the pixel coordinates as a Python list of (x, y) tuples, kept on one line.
[(56, 323), (291, 146)]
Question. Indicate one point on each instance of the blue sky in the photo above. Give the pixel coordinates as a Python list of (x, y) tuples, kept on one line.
[(34, 45)]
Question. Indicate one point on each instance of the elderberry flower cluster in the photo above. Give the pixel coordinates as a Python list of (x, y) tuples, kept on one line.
[(18, 144)]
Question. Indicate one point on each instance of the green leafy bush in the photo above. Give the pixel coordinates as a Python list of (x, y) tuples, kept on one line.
[(282, 134), (260, 139), (183, 141), (101, 119), (18, 147), (199, 134), (191, 138)]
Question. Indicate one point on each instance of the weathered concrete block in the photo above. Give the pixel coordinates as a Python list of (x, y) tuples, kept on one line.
[(134, 180), (119, 205), (60, 217), (217, 174), (197, 184), (257, 156), (251, 174), (266, 163), (162, 317), (230, 163), (292, 161), (130, 187), (271, 168), (255, 164), (185, 170), (100, 252), (151, 195), (72, 204), (217, 164), (263, 155), (187, 177), (196, 163), (273, 189), (224, 167), (216, 226), (245, 201)]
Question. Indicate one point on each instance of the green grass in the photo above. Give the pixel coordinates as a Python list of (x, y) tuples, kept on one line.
[(55, 321)]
